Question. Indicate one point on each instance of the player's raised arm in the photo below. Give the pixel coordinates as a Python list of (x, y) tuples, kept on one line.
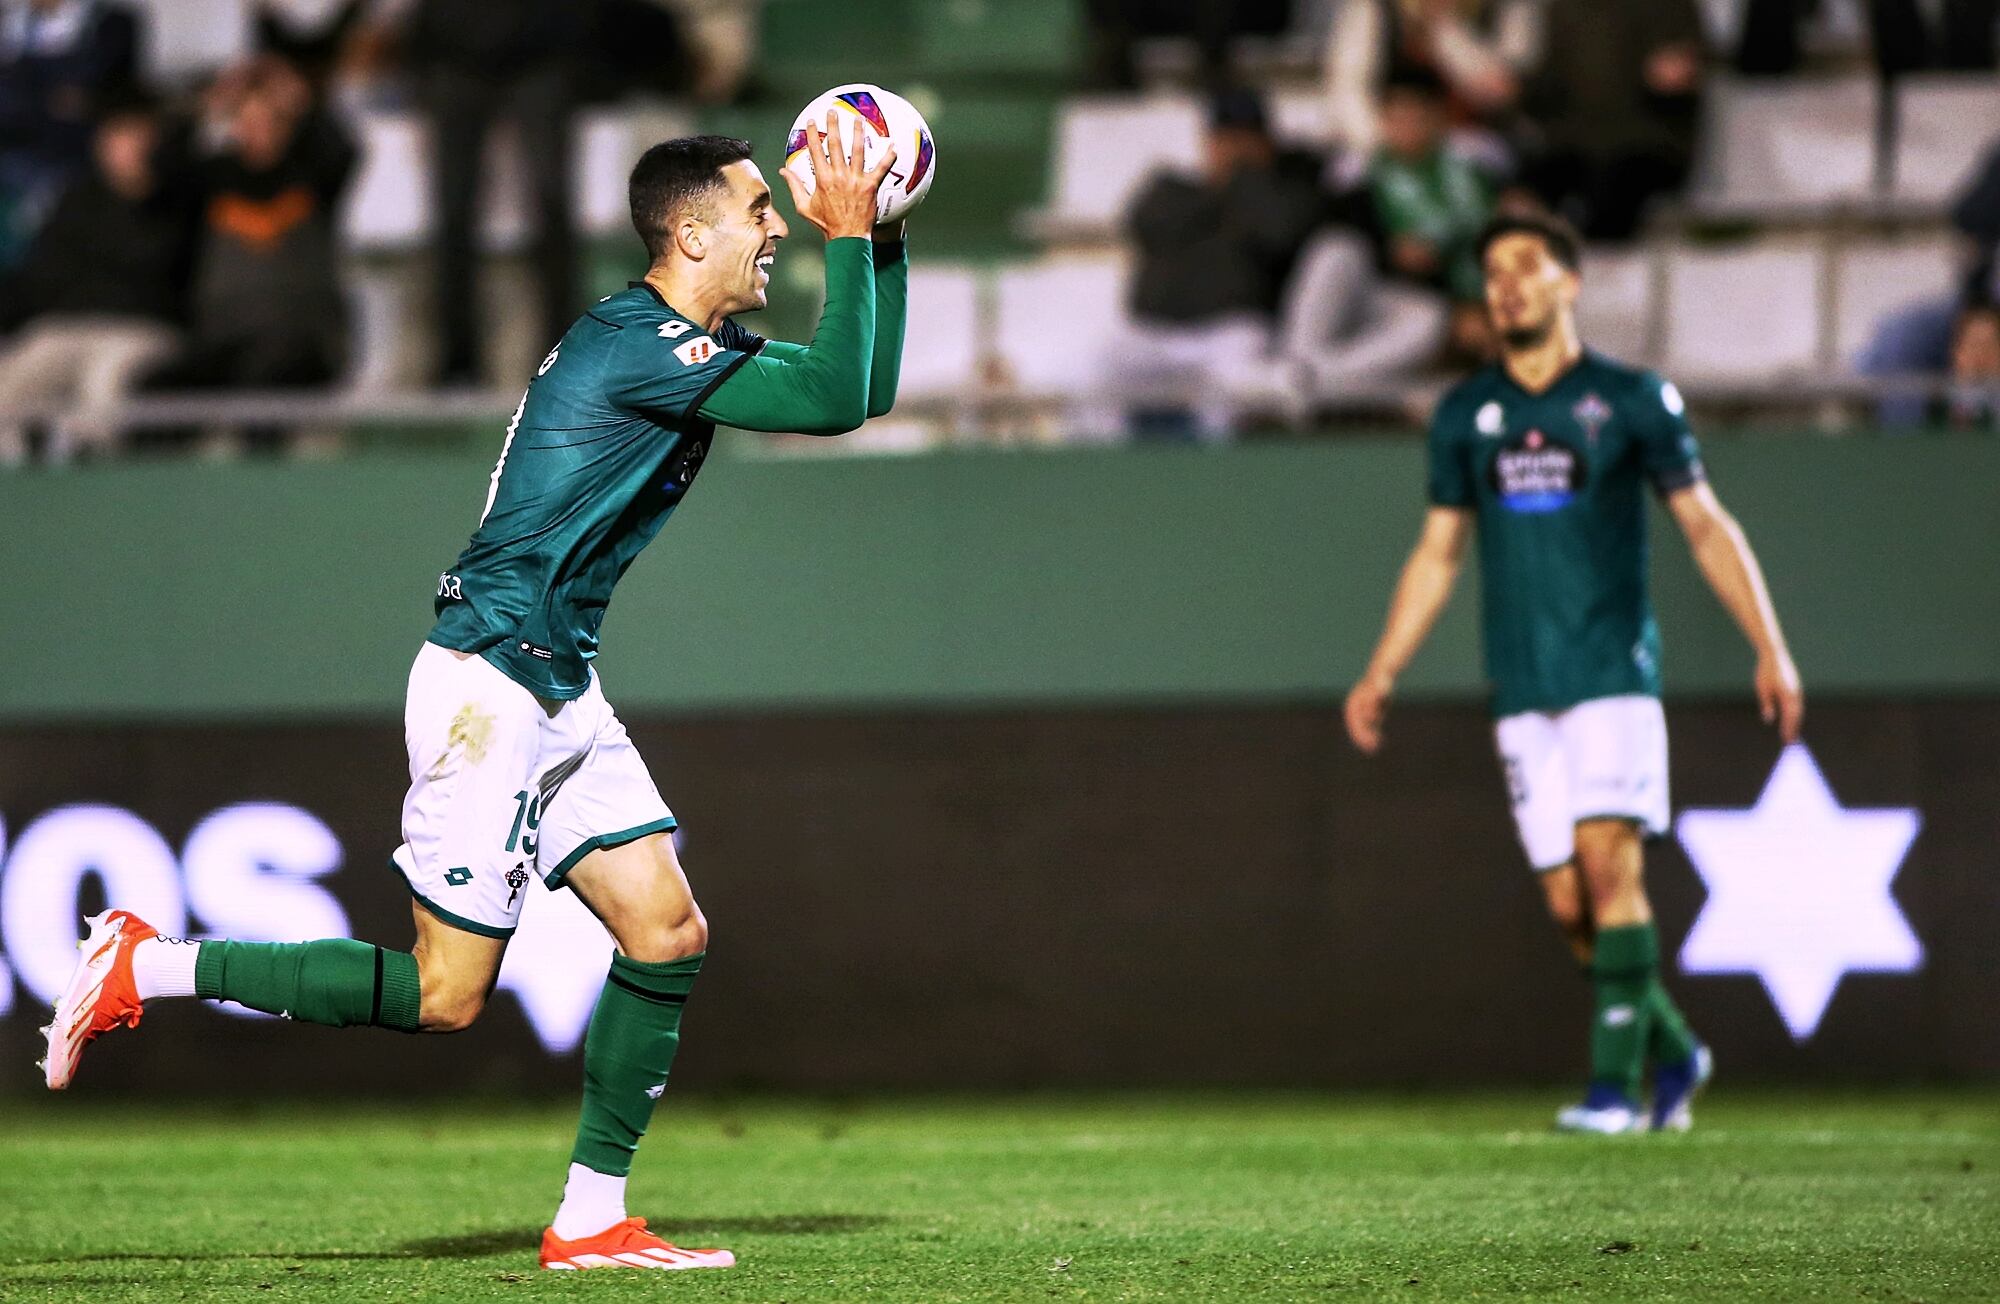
[(892, 299), (1426, 584), (1730, 567), (822, 388)]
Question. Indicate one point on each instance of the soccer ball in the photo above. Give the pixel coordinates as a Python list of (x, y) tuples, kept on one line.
[(885, 116)]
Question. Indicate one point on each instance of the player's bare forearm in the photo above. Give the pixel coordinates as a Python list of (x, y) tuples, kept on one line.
[(1726, 561), (1422, 591)]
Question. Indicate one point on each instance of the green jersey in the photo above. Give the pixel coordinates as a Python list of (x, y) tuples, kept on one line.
[(606, 442), (1557, 480)]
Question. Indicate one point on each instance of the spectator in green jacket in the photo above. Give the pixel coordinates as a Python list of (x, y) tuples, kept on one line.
[(1429, 204)]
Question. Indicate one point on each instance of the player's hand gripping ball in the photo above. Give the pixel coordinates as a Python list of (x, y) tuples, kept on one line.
[(885, 117)]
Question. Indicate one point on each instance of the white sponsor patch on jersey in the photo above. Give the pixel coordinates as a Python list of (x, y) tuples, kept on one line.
[(697, 350), (673, 330), (1670, 398)]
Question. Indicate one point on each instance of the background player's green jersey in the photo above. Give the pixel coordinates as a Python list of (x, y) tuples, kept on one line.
[(604, 445), (1557, 480)]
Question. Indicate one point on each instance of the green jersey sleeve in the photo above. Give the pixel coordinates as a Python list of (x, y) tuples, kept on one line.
[(892, 298), (1667, 448), (1450, 472), (666, 371), (821, 389)]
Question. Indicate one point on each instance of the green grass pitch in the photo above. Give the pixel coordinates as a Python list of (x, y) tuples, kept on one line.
[(1862, 1196)]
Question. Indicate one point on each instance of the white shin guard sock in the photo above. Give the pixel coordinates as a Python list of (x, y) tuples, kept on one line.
[(592, 1202), (164, 966)]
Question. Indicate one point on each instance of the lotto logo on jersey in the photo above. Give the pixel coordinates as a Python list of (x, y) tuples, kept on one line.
[(696, 351)]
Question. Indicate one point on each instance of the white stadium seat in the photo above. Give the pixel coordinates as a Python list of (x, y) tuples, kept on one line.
[(1879, 277), (1789, 144), (1107, 147), (1615, 312), (188, 38), (389, 205), (1743, 314), (942, 352), (1302, 117), (1945, 124), (1052, 318)]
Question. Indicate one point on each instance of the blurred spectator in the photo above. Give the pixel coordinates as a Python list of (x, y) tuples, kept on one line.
[(313, 40), (267, 308), (1908, 35), (1117, 26), (1430, 204), (1918, 339), (480, 61), (722, 45), (1616, 102), (98, 300), (1476, 48), (1214, 253), (1949, 35), (59, 59), (1973, 402)]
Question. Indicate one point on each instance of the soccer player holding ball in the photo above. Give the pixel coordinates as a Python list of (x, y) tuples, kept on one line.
[(518, 765), (1545, 456)]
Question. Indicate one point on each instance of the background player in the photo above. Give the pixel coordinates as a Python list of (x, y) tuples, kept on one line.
[(517, 763), (1546, 454)]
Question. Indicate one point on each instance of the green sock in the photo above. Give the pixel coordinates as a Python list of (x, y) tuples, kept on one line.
[(634, 1032), (1670, 1040), (334, 981), (1627, 967)]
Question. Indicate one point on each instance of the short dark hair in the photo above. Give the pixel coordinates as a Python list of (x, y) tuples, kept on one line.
[(673, 176), (1557, 236)]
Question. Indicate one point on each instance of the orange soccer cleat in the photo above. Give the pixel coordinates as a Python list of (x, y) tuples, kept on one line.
[(101, 994), (626, 1245)]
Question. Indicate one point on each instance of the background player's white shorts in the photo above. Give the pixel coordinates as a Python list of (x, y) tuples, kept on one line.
[(1603, 758), (503, 785)]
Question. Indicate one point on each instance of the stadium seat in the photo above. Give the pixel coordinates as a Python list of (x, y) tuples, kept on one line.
[(1743, 313), (1945, 124), (1783, 146), (1878, 277), (186, 40), (943, 332), (1051, 314), (389, 207), (1106, 148), (1615, 312), (1302, 118)]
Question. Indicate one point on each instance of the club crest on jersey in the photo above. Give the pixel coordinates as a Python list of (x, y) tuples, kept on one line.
[(697, 350), (1591, 414), (1537, 474)]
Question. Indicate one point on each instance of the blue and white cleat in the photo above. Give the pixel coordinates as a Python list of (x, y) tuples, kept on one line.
[(1605, 1111), (1674, 1090)]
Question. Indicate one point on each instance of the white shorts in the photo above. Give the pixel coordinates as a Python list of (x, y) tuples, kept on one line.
[(504, 785), (1601, 759)]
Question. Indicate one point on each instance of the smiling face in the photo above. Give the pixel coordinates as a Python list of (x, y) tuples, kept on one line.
[(739, 233), (1528, 290)]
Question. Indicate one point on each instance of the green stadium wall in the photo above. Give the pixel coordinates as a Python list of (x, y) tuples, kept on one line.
[(1160, 575)]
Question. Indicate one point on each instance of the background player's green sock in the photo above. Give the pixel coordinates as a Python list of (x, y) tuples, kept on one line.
[(1669, 1041), (1627, 967), (334, 981), (634, 1032)]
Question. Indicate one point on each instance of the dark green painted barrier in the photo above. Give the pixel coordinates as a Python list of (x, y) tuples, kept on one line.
[(1261, 572)]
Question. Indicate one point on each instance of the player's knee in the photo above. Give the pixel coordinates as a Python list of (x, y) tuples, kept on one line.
[(666, 937), (447, 1003)]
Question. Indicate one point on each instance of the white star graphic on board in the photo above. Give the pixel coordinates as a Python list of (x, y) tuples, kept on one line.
[(1798, 891), (555, 967)]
